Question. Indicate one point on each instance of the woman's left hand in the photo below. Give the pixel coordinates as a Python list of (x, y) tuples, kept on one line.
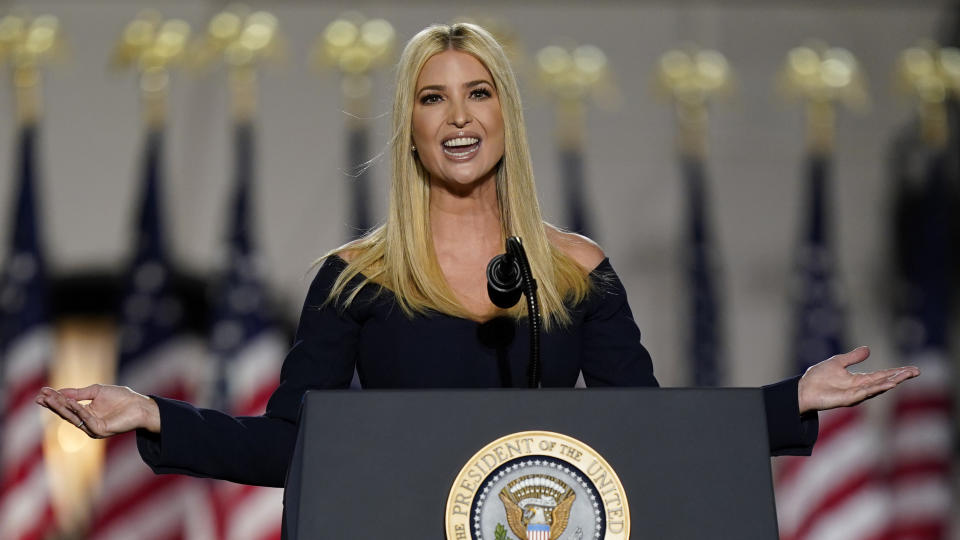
[(828, 385)]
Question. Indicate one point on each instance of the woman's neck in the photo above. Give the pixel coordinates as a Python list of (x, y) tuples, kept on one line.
[(465, 220)]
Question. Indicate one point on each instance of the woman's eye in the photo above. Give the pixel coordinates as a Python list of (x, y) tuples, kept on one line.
[(480, 93), (430, 98)]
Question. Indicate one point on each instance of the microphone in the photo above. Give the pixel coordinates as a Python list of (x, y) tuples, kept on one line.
[(504, 282), (509, 276)]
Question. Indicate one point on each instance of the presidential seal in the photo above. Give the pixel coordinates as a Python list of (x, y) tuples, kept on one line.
[(537, 485)]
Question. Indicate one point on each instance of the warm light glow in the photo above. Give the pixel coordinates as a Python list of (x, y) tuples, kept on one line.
[(354, 45), (836, 73), (224, 26), (574, 73), (70, 438), (85, 354), (377, 34), (691, 76), (589, 60), (172, 39), (804, 61), (341, 33), (822, 74), (930, 72), (553, 60), (43, 34), (11, 27), (713, 69)]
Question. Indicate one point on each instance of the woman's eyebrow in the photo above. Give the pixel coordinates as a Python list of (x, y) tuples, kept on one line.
[(477, 82), (437, 87), (443, 88)]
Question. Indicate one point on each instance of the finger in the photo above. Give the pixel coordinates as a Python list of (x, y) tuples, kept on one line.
[(58, 404), (81, 394), (903, 374), (880, 386), (855, 356), (883, 374), (864, 392), (90, 424), (41, 397)]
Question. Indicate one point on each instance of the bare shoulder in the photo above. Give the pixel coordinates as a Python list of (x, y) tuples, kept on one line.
[(349, 251), (581, 249)]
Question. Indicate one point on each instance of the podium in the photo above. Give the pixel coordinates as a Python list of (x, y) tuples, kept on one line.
[(694, 463)]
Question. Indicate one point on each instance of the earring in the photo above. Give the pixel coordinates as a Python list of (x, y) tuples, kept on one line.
[(413, 148)]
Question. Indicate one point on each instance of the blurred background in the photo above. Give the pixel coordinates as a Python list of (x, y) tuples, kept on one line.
[(775, 182)]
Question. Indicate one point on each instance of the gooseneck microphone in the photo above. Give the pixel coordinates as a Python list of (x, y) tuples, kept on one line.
[(509, 276), (504, 283)]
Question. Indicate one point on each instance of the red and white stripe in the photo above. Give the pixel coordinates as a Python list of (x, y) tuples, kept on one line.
[(922, 445), (252, 512), (134, 502), (26, 506), (538, 534), (837, 493)]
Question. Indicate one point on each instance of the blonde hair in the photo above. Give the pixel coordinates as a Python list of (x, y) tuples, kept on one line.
[(399, 255)]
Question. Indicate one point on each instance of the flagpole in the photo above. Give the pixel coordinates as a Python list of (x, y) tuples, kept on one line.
[(690, 78), (571, 77), (153, 353), (356, 47), (246, 344), (849, 499), (29, 43), (922, 425), (244, 41)]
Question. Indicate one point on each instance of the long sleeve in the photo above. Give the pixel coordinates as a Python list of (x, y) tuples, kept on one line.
[(612, 352), (790, 433), (256, 450)]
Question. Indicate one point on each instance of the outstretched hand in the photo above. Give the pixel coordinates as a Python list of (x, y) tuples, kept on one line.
[(828, 385), (111, 409)]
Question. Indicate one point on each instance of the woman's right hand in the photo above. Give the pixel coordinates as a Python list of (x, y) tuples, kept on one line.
[(111, 409)]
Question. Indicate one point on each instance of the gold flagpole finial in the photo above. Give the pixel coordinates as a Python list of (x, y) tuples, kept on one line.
[(822, 76), (244, 39), (571, 76), (690, 77), (355, 46), (27, 43), (931, 75), (152, 46)]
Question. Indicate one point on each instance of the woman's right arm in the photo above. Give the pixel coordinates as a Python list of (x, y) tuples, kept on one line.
[(176, 437)]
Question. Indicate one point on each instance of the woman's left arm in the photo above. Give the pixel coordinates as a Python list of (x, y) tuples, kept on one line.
[(792, 405), (829, 384)]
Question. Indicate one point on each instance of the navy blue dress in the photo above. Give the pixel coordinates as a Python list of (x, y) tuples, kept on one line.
[(390, 350)]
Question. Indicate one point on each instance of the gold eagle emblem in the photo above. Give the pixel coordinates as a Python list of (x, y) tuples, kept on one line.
[(537, 499)]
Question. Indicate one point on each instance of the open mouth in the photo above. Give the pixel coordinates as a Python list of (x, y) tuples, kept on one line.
[(461, 147)]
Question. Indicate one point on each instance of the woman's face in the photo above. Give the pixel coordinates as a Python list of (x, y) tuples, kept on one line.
[(457, 123)]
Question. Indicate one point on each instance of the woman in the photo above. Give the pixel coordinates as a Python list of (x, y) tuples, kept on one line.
[(407, 304)]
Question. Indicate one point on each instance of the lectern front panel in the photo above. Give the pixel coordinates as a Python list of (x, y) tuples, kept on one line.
[(380, 464)]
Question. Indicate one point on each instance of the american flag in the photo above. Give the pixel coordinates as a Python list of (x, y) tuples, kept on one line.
[(26, 346), (705, 348), (156, 357), (836, 493), (250, 350), (922, 422)]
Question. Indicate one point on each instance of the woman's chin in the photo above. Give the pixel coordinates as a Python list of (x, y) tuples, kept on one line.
[(463, 182)]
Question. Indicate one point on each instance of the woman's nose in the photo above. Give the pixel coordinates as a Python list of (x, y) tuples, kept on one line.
[(459, 116)]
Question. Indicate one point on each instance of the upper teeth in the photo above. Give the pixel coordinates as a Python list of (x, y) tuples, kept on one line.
[(461, 141)]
